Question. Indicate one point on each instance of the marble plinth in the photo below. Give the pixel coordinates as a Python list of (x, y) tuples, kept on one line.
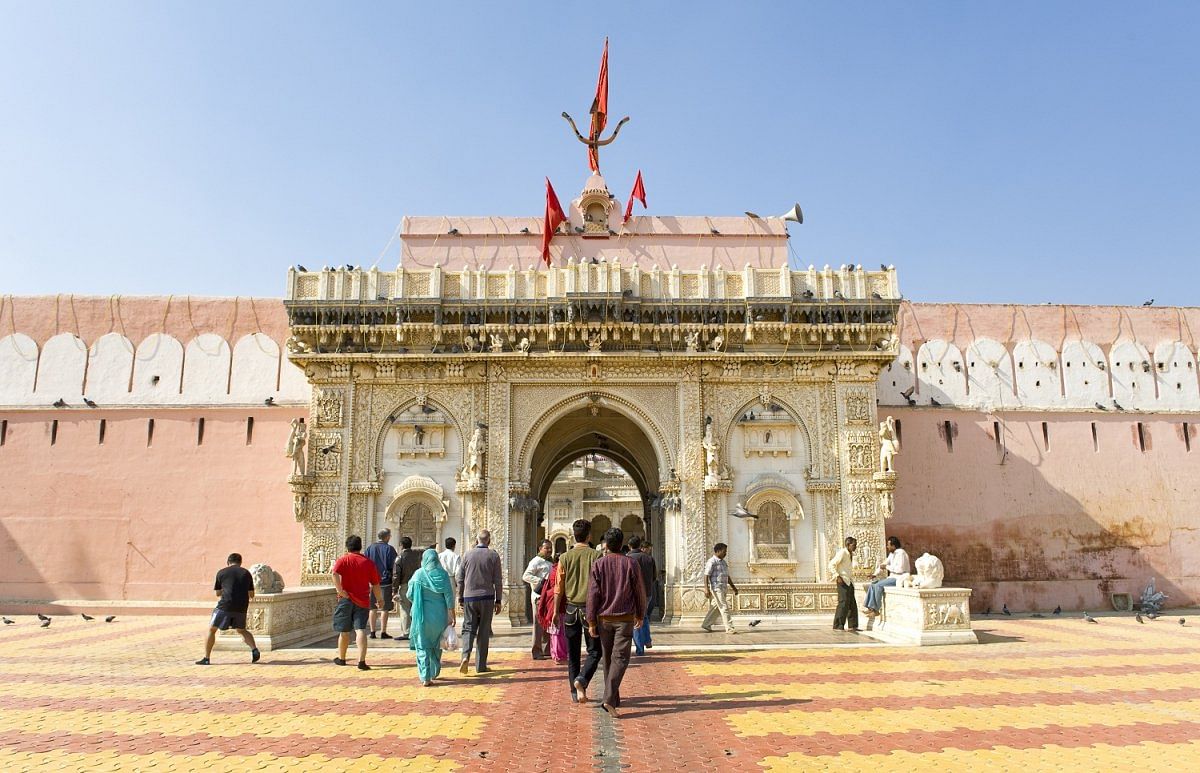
[(293, 618), (925, 616)]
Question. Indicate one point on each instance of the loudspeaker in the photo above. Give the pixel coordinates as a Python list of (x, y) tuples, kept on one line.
[(794, 214)]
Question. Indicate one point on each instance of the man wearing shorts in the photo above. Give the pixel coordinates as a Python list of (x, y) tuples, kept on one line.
[(356, 579), (383, 555), (234, 588)]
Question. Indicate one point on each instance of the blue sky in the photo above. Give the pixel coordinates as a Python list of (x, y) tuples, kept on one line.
[(1017, 151)]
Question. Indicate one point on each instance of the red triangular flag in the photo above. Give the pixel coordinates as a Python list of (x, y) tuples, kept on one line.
[(599, 110), (554, 216), (639, 193)]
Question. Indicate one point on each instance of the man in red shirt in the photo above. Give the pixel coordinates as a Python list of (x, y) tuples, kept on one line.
[(616, 606), (356, 579)]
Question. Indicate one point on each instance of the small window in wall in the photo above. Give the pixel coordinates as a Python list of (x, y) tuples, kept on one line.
[(899, 438), (3, 431), (1141, 436), (103, 430), (1045, 436), (200, 431), (149, 433), (1095, 439), (1187, 437), (949, 433), (249, 430), (560, 546), (999, 438), (53, 432)]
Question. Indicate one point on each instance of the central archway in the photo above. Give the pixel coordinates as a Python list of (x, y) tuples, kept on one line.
[(595, 427)]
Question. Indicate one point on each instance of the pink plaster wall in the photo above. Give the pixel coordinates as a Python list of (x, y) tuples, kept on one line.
[(1035, 528), (127, 520)]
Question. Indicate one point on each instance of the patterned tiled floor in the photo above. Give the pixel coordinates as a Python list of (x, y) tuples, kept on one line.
[(1051, 694)]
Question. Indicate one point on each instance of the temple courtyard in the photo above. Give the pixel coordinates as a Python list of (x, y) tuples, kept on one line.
[(1054, 693)]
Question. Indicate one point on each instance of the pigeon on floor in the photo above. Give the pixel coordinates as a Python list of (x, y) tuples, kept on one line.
[(1089, 618), (1005, 610), (46, 623), (86, 616), (1058, 610), (1138, 616), (110, 618), (7, 621), (1153, 615), (1183, 621), (42, 617), (753, 623)]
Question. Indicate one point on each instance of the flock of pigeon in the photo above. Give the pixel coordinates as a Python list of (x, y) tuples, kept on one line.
[(1087, 617), (47, 620)]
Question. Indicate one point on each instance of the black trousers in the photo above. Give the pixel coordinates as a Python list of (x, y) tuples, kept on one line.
[(847, 608), (577, 634)]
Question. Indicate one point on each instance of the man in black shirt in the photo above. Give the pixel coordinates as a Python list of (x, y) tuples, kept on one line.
[(408, 561), (234, 588), (648, 573)]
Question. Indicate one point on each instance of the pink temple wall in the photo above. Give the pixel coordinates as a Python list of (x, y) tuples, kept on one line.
[(124, 520)]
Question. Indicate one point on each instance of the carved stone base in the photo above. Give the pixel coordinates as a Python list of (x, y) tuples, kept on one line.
[(294, 618), (924, 616)]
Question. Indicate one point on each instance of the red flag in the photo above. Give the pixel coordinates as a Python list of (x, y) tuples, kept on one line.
[(599, 110), (639, 193), (554, 216)]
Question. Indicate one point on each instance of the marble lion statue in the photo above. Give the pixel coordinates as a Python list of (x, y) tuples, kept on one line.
[(929, 573), (266, 579)]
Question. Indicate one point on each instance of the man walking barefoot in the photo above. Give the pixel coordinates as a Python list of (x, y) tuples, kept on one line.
[(234, 588), (574, 570), (383, 555), (717, 584), (480, 591), (356, 579), (616, 606)]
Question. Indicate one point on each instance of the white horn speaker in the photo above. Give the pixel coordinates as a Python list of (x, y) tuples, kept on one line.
[(794, 214)]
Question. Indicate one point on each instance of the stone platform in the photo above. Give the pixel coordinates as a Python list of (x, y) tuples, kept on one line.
[(924, 616), (293, 618)]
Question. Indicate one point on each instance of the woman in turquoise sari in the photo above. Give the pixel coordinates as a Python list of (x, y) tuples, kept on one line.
[(432, 598)]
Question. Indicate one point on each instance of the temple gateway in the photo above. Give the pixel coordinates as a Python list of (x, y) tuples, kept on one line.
[(737, 393)]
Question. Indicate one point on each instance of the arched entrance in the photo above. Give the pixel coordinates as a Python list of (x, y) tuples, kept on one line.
[(597, 432)]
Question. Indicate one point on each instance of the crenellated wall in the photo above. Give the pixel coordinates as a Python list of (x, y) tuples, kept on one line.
[(1060, 465)]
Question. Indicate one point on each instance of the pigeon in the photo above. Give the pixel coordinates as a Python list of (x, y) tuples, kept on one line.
[(42, 617), (1100, 407), (301, 268), (753, 215), (1005, 610), (740, 511), (1058, 610), (934, 403), (110, 618), (1117, 406), (1153, 615), (89, 402), (86, 616), (453, 232), (1089, 618), (7, 621), (1148, 303), (1138, 616), (46, 623), (753, 623), (1183, 621), (60, 403), (525, 231), (714, 232), (269, 401)]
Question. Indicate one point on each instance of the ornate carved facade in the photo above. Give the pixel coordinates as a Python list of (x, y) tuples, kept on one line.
[(711, 387)]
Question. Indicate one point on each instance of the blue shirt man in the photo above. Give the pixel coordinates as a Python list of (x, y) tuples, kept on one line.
[(383, 555)]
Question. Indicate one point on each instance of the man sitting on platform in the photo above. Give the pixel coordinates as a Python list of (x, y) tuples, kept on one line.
[(895, 567)]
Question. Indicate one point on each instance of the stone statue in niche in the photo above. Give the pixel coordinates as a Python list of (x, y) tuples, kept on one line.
[(523, 346), (712, 454), (316, 563), (929, 573), (295, 445), (266, 579), (300, 506), (716, 343), (889, 445), (497, 343), (693, 342), (595, 343), (473, 470)]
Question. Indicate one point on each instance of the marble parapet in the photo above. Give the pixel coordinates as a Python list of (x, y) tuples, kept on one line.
[(293, 618), (925, 616)]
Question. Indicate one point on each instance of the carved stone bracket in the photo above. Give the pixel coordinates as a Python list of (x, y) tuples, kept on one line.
[(885, 486)]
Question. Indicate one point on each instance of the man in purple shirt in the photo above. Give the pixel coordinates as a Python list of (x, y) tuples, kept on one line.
[(616, 605)]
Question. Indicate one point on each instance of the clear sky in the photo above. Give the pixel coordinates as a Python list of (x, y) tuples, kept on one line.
[(1015, 151)]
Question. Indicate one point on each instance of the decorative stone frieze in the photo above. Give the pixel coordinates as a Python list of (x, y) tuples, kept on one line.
[(925, 616)]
